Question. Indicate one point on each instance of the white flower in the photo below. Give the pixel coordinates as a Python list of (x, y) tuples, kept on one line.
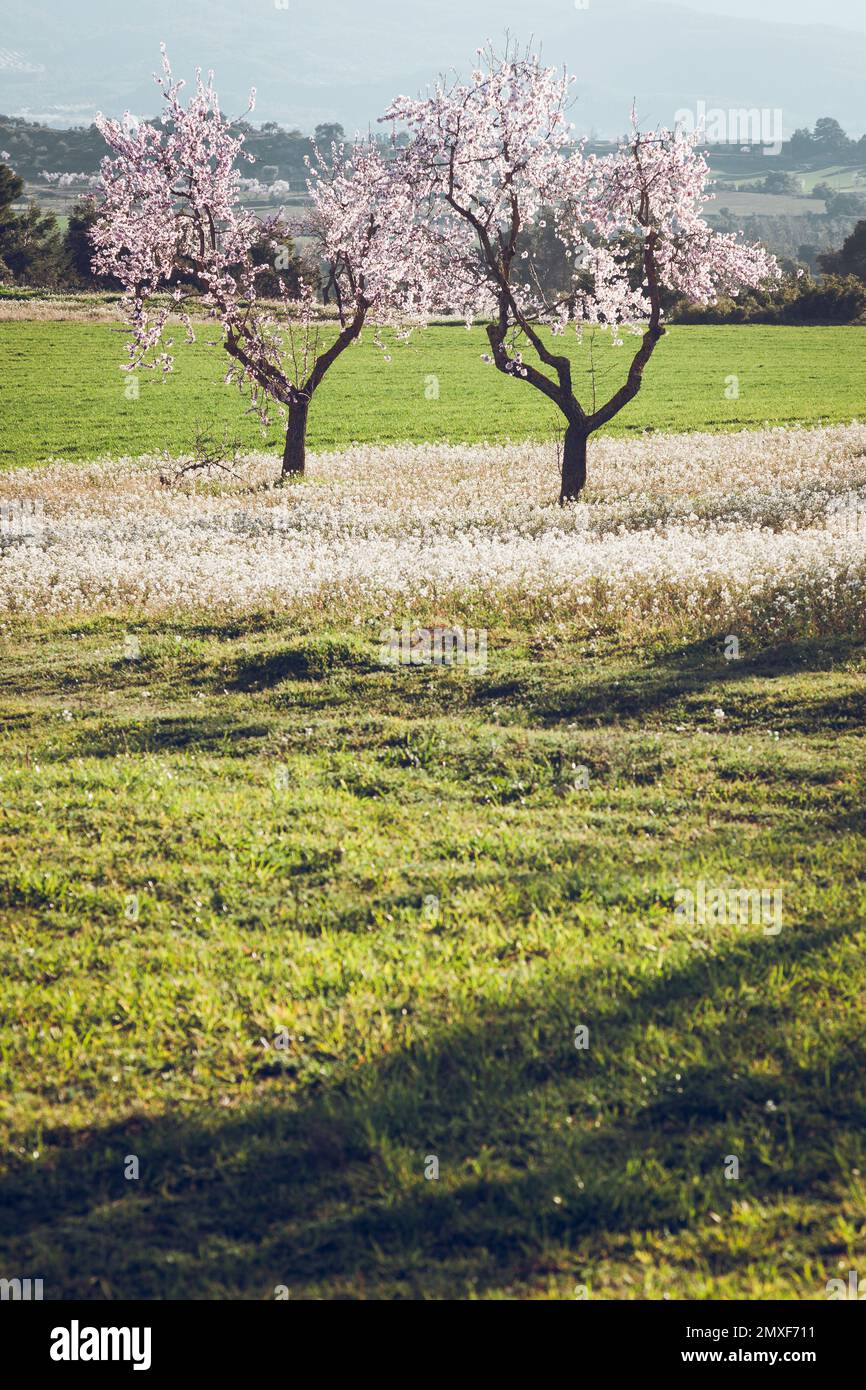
[(723, 529)]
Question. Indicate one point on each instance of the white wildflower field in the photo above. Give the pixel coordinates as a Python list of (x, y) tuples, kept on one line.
[(766, 529)]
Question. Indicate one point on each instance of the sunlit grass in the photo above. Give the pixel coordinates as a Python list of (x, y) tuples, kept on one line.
[(62, 392), (251, 833)]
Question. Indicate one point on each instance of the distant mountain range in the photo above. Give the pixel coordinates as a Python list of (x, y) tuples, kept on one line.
[(343, 60)]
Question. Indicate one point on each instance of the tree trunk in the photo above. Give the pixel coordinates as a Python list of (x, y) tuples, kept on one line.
[(296, 438), (573, 463)]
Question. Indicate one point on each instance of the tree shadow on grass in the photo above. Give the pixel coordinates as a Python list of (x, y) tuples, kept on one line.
[(323, 1189), (205, 734), (678, 680), (269, 669)]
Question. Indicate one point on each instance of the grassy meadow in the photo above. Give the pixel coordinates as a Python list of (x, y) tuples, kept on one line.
[(296, 947), (63, 394), (251, 835)]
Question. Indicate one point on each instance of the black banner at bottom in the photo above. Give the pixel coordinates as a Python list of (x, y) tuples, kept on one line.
[(83, 1340)]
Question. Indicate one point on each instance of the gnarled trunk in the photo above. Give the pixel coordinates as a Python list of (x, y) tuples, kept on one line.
[(573, 463), (294, 454)]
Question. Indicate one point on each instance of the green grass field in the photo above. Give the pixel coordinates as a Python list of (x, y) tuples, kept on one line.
[(253, 829), (62, 393)]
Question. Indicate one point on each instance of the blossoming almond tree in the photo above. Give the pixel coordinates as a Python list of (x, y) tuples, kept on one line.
[(488, 157), (172, 222)]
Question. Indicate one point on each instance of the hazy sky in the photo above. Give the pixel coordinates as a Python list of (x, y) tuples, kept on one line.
[(321, 60), (849, 14)]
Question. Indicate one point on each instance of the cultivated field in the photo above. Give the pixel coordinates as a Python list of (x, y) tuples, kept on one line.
[(62, 393), (287, 923)]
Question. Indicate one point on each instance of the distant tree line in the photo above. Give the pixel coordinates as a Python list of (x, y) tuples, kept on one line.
[(799, 300), (839, 296), (32, 149), (280, 152), (798, 238), (826, 142)]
